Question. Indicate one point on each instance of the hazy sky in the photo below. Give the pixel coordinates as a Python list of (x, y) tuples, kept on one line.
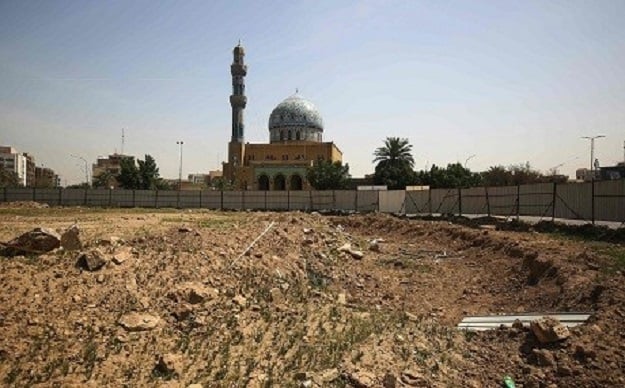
[(506, 81)]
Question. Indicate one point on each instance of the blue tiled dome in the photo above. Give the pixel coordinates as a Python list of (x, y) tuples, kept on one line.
[(295, 111)]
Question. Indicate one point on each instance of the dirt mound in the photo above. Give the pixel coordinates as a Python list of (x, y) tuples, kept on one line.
[(23, 205), (180, 299)]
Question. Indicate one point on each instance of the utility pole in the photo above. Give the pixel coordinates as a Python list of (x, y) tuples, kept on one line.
[(180, 143), (123, 140), (592, 152)]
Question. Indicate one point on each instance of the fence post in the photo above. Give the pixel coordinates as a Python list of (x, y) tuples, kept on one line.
[(200, 199), (60, 196), (134, 202), (177, 198), (356, 200), (222, 200), (459, 202), (487, 201), (430, 201), (553, 202), (243, 199), (85, 198), (156, 199), (333, 200), (34, 194), (288, 200), (518, 202), (310, 196), (5, 194), (592, 199), (110, 197)]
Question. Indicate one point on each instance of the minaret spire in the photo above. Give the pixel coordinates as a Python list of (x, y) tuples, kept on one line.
[(238, 69)]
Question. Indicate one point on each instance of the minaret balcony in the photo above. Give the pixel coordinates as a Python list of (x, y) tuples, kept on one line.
[(238, 69), (238, 100)]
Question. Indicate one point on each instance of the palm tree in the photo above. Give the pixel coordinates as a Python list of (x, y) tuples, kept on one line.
[(396, 151)]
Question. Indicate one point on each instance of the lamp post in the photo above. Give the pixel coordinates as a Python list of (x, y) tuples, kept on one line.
[(592, 152), (180, 143), (467, 160), (86, 167)]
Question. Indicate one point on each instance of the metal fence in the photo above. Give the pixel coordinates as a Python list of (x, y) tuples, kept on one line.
[(591, 201)]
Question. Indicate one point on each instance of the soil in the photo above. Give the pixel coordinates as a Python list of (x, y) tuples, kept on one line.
[(180, 300)]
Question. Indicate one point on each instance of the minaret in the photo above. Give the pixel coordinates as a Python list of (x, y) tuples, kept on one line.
[(238, 69), (236, 147)]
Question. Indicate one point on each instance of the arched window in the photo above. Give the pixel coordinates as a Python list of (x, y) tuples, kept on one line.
[(263, 182), (298, 136), (279, 183), (290, 135), (282, 135), (296, 182)]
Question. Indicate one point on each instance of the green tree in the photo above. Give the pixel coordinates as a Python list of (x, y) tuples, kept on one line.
[(128, 177), (8, 178), (148, 174), (455, 175), (327, 175), (394, 164), (105, 179)]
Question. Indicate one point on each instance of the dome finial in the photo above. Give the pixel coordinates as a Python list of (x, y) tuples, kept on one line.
[(239, 42), (296, 90)]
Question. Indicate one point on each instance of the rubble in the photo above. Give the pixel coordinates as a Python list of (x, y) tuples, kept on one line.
[(138, 322), (91, 260), (70, 239), (548, 330)]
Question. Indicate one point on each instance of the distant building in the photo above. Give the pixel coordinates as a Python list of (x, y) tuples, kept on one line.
[(584, 174), (111, 165), (205, 179), (613, 172), (21, 164), (46, 178)]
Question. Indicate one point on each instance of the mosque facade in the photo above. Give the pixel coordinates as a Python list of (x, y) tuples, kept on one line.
[(295, 141)]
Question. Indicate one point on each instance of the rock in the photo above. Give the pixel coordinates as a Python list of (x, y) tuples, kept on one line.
[(358, 255), (138, 322), (413, 378), (194, 386), (91, 260), (389, 381), (38, 240), (411, 317), (70, 240), (549, 330), (240, 300), (361, 379), (517, 324), (276, 295), (122, 256), (341, 299), (544, 357), (192, 292), (564, 370), (100, 278), (169, 364), (347, 247), (308, 230), (328, 376), (76, 298), (301, 376), (182, 311), (374, 245), (113, 240), (185, 229)]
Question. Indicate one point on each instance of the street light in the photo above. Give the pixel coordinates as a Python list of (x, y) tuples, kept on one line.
[(86, 168), (180, 143), (592, 152), (467, 160)]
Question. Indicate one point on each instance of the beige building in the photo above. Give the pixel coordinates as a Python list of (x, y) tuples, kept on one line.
[(110, 165), (22, 164), (295, 141)]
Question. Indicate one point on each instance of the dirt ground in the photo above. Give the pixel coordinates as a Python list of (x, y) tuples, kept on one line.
[(180, 302)]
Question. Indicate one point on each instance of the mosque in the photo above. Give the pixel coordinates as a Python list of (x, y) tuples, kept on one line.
[(295, 141)]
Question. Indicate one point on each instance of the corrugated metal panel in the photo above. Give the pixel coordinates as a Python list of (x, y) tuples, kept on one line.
[(474, 201), (574, 201), (416, 202), (610, 200), (491, 322), (536, 199), (392, 201), (345, 199), (49, 196), (211, 199), (367, 200), (445, 201), (502, 200)]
